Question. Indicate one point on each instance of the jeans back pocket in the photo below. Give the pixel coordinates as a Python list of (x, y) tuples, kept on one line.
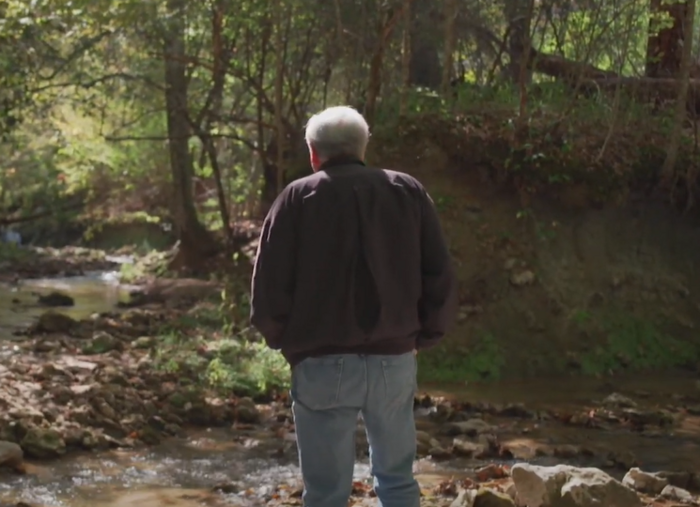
[(316, 382)]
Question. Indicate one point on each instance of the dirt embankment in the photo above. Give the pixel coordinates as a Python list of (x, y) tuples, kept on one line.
[(559, 284)]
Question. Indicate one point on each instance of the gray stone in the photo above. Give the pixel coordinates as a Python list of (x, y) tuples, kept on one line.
[(11, 455), (43, 443), (247, 412), (617, 400), (490, 498), (677, 495), (567, 486), (644, 482), (467, 448), (472, 427)]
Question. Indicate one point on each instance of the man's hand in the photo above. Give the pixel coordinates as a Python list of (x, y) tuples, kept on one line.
[(415, 352)]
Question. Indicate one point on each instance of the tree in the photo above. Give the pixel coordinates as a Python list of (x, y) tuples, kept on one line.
[(196, 243), (667, 37)]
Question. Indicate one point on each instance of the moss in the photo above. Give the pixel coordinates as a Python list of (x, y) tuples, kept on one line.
[(636, 344), (483, 361)]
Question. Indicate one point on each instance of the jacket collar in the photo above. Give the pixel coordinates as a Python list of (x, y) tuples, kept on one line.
[(340, 161)]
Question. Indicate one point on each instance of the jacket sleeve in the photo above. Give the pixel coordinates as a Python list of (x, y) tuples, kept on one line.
[(438, 305), (273, 281)]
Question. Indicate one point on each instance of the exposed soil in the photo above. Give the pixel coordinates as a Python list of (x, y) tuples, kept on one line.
[(558, 283)]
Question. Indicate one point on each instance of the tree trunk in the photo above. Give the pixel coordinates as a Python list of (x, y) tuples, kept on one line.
[(450, 10), (405, 57), (674, 139), (385, 27), (280, 136), (425, 66), (665, 43), (195, 241), (518, 14)]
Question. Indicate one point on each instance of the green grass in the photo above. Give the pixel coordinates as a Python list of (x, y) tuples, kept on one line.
[(635, 344), (482, 361)]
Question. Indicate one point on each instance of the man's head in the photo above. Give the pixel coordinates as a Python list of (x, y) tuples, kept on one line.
[(336, 132)]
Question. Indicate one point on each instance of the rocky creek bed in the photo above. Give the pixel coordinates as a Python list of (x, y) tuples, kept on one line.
[(87, 419)]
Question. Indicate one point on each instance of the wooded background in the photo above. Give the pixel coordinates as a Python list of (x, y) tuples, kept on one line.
[(194, 112)]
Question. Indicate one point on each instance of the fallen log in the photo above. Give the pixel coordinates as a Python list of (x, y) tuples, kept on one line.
[(588, 79)]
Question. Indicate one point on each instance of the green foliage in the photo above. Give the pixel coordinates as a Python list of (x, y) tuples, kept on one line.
[(226, 365), (483, 361), (248, 368), (9, 252), (595, 143), (214, 345), (634, 344)]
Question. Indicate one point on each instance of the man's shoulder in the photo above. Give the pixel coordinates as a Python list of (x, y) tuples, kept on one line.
[(312, 182), (309, 181), (402, 178)]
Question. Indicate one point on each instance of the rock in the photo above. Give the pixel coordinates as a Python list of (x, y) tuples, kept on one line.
[(425, 442), (616, 400), (566, 486), (53, 322), (149, 435), (520, 450), (623, 460), (522, 278), (516, 410), (510, 264), (56, 299), (11, 455), (465, 498), (439, 453), (684, 480), (644, 482), (676, 494), (143, 342), (42, 346), (472, 427), (490, 498), (246, 411), (566, 451), (491, 472), (227, 488), (43, 443), (101, 343), (467, 448)]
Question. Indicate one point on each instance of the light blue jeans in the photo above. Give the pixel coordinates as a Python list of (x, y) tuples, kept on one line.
[(328, 394)]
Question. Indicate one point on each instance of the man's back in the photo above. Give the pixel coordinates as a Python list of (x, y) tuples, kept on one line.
[(364, 241), (352, 277)]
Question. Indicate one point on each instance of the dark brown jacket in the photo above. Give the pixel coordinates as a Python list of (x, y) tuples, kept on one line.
[(352, 259)]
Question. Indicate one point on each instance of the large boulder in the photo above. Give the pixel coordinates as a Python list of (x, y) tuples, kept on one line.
[(567, 486), (53, 322), (43, 443)]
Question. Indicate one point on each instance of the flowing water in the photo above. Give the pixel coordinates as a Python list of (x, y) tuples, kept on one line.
[(181, 472), (93, 293)]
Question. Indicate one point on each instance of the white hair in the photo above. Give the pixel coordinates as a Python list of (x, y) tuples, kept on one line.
[(338, 131)]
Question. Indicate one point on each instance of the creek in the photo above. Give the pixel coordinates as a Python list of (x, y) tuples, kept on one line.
[(94, 292), (249, 463)]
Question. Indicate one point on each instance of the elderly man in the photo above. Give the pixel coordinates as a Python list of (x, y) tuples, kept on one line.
[(352, 277)]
